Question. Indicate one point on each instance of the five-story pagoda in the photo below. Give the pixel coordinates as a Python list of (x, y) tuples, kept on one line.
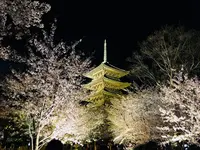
[(105, 82)]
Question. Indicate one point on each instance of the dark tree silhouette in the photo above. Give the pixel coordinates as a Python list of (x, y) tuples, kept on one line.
[(54, 144)]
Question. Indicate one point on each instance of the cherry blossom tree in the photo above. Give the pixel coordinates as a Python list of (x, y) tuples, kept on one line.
[(133, 118), (46, 91), (23, 14), (79, 124), (180, 110)]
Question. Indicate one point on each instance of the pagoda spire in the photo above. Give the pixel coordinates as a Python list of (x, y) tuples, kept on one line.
[(105, 52)]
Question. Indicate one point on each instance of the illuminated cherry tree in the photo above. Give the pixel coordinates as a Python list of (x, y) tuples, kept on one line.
[(133, 118), (79, 124), (47, 91), (180, 110), (23, 14)]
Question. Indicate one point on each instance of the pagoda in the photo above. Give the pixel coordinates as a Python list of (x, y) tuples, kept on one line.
[(105, 83)]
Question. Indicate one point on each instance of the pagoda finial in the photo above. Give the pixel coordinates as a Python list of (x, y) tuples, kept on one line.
[(105, 52)]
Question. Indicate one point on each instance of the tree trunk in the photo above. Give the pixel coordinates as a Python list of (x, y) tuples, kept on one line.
[(87, 146), (31, 137), (32, 145), (37, 141), (71, 147), (95, 145), (110, 147)]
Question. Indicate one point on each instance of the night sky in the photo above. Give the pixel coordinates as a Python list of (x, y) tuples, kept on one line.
[(123, 24)]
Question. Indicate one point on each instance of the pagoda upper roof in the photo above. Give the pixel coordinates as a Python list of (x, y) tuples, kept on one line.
[(106, 83), (108, 69)]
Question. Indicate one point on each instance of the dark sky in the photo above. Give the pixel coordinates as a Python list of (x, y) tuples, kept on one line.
[(123, 24)]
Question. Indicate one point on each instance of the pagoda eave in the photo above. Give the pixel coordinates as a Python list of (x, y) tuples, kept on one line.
[(108, 70), (106, 83), (115, 69), (92, 72), (102, 93)]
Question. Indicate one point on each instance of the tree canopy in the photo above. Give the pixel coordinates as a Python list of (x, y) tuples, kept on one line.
[(164, 53)]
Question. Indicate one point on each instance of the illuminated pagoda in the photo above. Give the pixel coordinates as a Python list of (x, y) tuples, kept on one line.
[(105, 82)]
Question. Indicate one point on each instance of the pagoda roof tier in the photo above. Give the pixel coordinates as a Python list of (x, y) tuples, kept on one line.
[(105, 82), (106, 69), (100, 95)]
